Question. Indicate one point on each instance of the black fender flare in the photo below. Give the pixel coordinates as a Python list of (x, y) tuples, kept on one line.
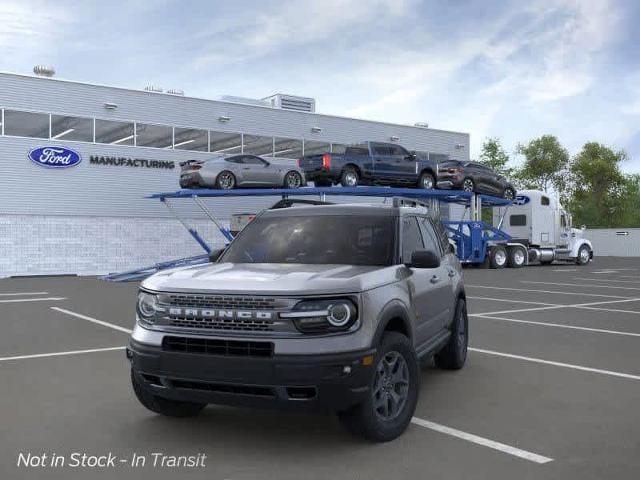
[(392, 310)]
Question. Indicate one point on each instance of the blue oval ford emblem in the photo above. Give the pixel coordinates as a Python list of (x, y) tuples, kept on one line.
[(55, 157)]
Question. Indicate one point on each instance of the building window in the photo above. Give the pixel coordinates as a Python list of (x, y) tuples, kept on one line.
[(71, 128), (287, 148), (312, 147), (26, 124), (257, 145), (114, 133), (225, 142), (338, 148), (190, 139), (157, 136), (544, 200)]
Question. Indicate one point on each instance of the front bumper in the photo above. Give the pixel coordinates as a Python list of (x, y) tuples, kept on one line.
[(331, 382)]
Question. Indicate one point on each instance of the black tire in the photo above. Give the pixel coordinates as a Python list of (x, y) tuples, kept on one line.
[(517, 257), (427, 181), (292, 179), (468, 185), (349, 177), (323, 183), (498, 257), (454, 354), (584, 255), (225, 180), (365, 420), (162, 406), (509, 193)]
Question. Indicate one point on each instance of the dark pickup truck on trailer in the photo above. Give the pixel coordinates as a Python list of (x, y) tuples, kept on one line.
[(371, 163)]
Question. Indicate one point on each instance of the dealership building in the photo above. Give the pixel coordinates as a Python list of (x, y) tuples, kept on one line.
[(112, 147)]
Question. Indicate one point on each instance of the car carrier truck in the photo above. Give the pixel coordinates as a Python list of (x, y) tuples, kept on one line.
[(540, 231)]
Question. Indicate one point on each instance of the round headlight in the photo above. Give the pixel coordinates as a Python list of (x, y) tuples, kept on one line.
[(340, 314), (146, 305)]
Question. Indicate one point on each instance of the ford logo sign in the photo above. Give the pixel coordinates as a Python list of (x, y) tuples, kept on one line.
[(521, 200), (55, 157)]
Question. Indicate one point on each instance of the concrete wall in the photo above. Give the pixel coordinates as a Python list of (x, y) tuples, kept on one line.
[(615, 242)]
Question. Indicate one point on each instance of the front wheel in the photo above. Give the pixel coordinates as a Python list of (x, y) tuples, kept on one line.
[(292, 180), (498, 257), (427, 182), (163, 406), (454, 354), (584, 255), (393, 393)]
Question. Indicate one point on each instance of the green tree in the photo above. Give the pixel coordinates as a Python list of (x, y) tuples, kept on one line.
[(545, 164), (495, 157), (601, 194)]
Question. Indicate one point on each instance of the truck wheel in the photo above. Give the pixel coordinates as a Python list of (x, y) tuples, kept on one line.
[(427, 181), (169, 408), (393, 392), (584, 255), (225, 180), (517, 257), (349, 177), (497, 257), (454, 354)]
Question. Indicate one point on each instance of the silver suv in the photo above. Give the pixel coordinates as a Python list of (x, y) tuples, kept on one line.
[(327, 307)]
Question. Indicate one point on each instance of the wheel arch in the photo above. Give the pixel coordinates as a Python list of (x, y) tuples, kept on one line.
[(394, 317)]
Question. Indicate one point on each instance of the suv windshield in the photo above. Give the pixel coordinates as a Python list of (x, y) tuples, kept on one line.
[(320, 239)]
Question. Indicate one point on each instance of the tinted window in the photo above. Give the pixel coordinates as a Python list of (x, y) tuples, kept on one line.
[(381, 150), (251, 160), (319, 239), (26, 124), (114, 133), (357, 150), (237, 159), (544, 201), (431, 241), (71, 128), (411, 238), (397, 150), (338, 148), (518, 220)]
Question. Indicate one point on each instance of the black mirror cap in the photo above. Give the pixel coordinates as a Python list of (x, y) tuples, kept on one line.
[(214, 255), (424, 259)]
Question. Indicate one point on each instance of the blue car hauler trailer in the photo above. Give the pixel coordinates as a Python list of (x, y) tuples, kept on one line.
[(473, 238)]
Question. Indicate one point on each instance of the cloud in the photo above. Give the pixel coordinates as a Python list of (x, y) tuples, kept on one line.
[(29, 26)]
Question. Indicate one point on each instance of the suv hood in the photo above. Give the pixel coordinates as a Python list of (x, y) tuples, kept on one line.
[(272, 279)]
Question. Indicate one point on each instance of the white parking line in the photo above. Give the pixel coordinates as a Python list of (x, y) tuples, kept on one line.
[(485, 442), (616, 310), (512, 301), (581, 285), (544, 291), (564, 270), (21, 300), (556, 364), (59, 354), (605, 280), (555, 307), (93, 320), (559, 325), (22, 293)]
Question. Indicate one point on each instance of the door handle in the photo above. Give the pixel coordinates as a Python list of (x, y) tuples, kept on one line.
[(434, 279)]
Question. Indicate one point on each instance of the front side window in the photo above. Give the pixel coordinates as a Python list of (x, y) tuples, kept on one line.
[(398, 151), (318, 239), (251, 160), (518, 220), (26, 124), (431, 240), (411, 238)]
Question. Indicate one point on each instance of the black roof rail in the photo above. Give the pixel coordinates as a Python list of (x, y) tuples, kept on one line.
[(290, 202)]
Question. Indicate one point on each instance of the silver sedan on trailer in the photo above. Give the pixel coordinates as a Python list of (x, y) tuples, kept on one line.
[(238, 171)]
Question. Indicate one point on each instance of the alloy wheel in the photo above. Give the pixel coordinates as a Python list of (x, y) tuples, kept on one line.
[(226, 181), (467, 185), (351, 179), (391, 386), (293, 180)]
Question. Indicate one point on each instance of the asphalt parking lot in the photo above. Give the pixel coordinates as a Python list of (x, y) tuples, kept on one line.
[(551, 390)]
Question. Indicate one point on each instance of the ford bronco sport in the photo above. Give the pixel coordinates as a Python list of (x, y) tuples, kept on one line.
[(325, 307)]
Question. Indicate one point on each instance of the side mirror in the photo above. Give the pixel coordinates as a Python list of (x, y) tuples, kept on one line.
[(214, 255), (424, 259)]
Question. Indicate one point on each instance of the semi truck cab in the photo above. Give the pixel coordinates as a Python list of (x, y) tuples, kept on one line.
[(543, 227)]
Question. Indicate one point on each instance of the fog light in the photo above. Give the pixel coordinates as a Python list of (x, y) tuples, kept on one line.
[(368, 360)]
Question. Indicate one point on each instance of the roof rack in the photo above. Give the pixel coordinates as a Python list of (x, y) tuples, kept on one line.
[(410, 202), (290, 202)]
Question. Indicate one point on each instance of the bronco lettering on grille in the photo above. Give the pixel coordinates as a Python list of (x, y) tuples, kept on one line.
[(220, 314)]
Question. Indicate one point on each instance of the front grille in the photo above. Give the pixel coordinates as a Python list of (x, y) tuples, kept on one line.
[(221, 324), (225, 388), (208, 346), (222, 301)]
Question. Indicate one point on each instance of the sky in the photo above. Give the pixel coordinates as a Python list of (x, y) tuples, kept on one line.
[(508, 69)]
